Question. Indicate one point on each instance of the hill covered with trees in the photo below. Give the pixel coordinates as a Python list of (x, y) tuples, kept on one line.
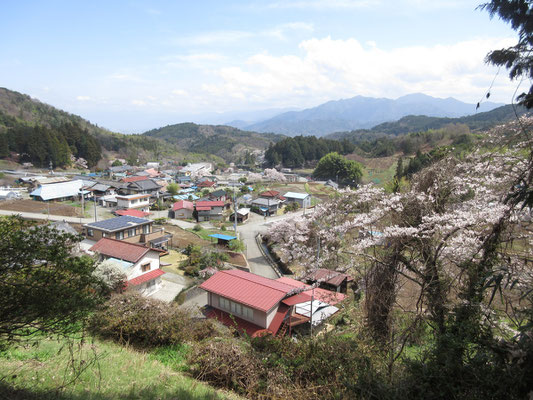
[(221, 140)]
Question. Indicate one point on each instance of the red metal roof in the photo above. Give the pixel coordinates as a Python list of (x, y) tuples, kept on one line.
[(183, 204), (146, 277), (135, 178), (119, 249), (278, 318), (296, 299), (270, 193), (327, 296), (243, 287), (292, 282), (208, 203), (132, 213), (203, 208)]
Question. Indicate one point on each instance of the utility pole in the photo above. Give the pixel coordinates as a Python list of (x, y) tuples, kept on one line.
[(234, 214), (82, 204), (95, 217)]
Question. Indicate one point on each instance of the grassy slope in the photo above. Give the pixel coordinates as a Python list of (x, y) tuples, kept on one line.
[(119, 373)]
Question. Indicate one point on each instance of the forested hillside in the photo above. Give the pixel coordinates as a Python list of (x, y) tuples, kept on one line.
[(301, 150), (223, 141)]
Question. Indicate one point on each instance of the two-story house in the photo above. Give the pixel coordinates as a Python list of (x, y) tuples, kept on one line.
[(209, 210), (129, 229), (140, 264), (134, 201), (302, 199)]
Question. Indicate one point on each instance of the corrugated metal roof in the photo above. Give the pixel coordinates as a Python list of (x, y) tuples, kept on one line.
[(58, 190), (252, 290), (118, 223), (294, 195), (119, 249)]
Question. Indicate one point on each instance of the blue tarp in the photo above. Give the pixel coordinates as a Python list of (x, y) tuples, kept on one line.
[(223, 237)]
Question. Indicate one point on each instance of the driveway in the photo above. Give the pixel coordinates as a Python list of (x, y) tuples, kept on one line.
[(172, 284)]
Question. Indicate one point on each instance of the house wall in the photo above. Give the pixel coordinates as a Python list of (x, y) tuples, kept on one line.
[(184, 213), (133, 203), (152, 258), (146, 289), (260, 317), (136, 238), (301, 202)]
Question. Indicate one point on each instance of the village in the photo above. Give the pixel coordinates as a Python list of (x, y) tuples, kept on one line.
[(153, 221)]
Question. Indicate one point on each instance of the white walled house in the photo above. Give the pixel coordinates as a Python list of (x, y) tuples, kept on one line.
[(141, 264), (134, 201)]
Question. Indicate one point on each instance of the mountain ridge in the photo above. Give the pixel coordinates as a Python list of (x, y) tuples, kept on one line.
[(362, 112)]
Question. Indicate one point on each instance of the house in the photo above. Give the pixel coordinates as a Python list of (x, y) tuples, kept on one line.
[(129, 229), (272, 194), (328, 279), (207, 185), (141, 264), (218, 195), (135, 178), (182, 209), (134, 201), (266, 206), (259, 305), (332, 184), (242, 215), (209, 210), (100, 189), (132, 213), (303, 199), (59, 191), (142, 186), (108, 201)]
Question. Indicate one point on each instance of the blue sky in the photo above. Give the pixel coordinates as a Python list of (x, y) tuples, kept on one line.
[(135, 65)]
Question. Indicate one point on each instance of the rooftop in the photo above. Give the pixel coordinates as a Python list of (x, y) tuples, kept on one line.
[(246, 288), (132, 213), (183, 204), (118, 223), (121, 250), (294, 195)]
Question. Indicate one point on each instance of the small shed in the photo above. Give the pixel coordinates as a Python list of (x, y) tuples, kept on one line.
[(223, 239)]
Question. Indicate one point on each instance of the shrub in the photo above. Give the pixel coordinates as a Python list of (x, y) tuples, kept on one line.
[(144, 322), (197, 228)]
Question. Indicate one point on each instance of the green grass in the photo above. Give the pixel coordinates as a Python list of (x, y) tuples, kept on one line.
[(118, 373), (204, 233), (379, 176)]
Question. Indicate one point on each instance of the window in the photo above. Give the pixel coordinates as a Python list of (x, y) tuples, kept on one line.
[(149, 284), (119, 235), (146, 228), (90, 232), (131, 232), (145, 267), (236, 308)]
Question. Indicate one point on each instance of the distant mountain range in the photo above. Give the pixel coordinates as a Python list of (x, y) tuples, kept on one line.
[(421, 123), (362, 112)]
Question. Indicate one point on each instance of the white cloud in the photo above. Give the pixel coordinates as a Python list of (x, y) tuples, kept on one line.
[(139, 103), (83, 98), (332, 69), (180, 92)]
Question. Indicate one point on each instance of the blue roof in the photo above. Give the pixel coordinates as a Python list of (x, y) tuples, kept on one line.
[(118, 223), (223, 237), (186, 197), (122, 263)]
